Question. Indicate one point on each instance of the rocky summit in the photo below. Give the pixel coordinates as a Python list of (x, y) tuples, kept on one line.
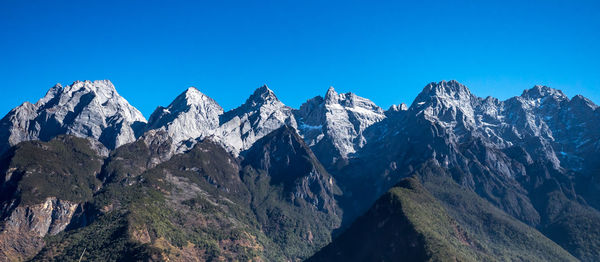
[(452, 177), (83, 109)]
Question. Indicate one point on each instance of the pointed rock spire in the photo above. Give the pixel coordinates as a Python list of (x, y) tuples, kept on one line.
[(190, 97), (261, 95), (258, 116), (191, 115), (331, 96)]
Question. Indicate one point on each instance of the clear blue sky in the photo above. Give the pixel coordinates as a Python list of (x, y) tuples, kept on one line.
[(383, 50)]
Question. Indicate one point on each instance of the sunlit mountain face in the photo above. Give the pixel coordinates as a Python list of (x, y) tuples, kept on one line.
[(453, 176)]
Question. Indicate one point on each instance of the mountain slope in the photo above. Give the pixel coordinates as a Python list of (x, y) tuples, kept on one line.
[(205, 204), (408, 223)]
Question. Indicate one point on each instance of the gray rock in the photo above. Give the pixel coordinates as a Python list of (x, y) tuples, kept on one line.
[(84, 109)]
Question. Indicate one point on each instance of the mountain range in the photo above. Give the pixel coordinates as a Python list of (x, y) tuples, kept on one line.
[(451, 177)]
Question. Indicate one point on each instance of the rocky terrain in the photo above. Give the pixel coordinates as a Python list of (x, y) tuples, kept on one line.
[(454, 176)]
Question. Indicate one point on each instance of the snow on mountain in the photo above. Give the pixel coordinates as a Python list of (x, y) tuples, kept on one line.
[(447, 103), (84, 109), (191, 115), (488, 144), (542, 120), (261, 114), (339, 119)]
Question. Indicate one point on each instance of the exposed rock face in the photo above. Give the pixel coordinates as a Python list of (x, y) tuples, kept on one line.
[(42, 185), (160, 146), (22, 233), (84, 109), (192, 115), (542, 124), (129, 161), (333, 126), (258, 116)]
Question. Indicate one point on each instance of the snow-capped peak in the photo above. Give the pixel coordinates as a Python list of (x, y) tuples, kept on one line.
[(446, 90), (539, 91), (446, 102), (341, 118), (541, 112), (190, 97), (194, 96), (52, 93)]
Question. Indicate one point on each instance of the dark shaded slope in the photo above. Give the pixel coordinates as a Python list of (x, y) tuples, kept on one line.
[(449, 224), (405, 224), (498, 234), (292, 194)]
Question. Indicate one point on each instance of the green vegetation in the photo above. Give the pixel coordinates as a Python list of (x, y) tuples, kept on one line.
[(196, 205), (495, 232), (106, 239), (408, 223), (298, 229), (127, 161), (573, 226), (65, 168), (175, 208), (437, 220), (443, 238)]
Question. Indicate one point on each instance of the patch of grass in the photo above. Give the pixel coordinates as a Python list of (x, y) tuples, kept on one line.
[(106, 239)]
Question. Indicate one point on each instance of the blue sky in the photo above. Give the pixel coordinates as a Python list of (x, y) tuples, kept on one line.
[(383, 50)]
